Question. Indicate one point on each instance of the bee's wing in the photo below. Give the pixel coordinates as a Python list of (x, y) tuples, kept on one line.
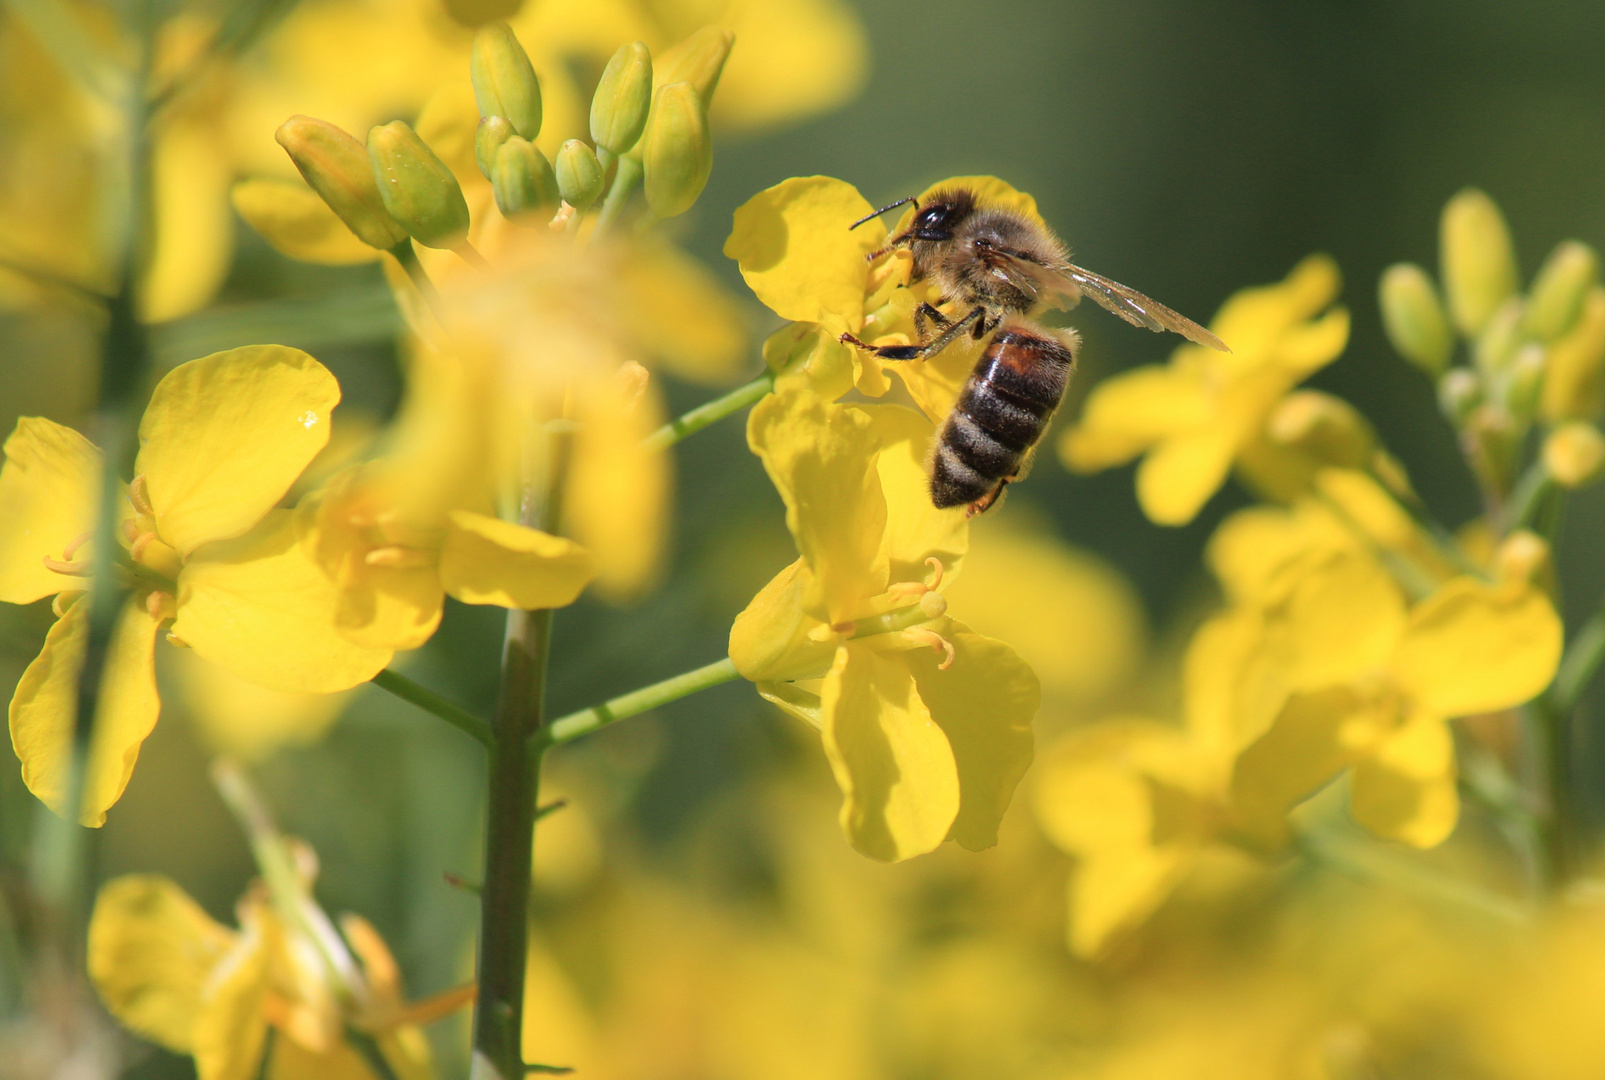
[(1138, 309)]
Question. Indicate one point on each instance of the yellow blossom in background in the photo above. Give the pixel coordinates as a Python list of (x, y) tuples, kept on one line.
[(925, 745), (1195, 417), (222, 441)]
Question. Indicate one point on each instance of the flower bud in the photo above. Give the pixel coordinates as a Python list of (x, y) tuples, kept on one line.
[(623, 99), (488, 138), (1459, 394), (1523, 379), (335, 165), (1557, 295), (1477, 263), (1574, 377), (1525, 558), (679, 150), (1496, 346), (698, 59), (417, 188), (1414, 319), (522, 180), (1574, 454), (579, 174), (1326, 427), (504, 79)]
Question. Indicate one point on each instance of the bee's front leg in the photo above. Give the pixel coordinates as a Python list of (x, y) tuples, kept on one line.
[(924, 348)]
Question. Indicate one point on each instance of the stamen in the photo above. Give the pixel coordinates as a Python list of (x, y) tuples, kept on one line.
[(561, 219), (161, 605), (62, 566), (917, 590), (151, 552), (139, 496), (921, 636), (64, 600), (72, 548)]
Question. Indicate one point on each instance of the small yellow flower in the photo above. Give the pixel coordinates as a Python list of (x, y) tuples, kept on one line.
[(171, 974), (926, 723), (1195, 417), (222, 441)]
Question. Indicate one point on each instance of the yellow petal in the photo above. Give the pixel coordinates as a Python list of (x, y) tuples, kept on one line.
[(984, 703), (1251, 551), (47, 501), (1405, 789), (1471, 647), (1127, 413), (1115, 890), (151, 952), (619, 492), (289, 1060), (899, 783), (247, 721), (225, 437), (1091, 791), (774, 639), (232, 1027), (260, 606), (1343, 619), (915, 529), (1253, 320), (1234, 683), (290, 216), (796, 252), (793, 58), (682, 315), (1179, 475), (821, 458), (45, 706), (488, 561), (1315, 738), (1308, 347), (195, 233)]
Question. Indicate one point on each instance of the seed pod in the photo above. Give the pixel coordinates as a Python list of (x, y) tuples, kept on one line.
[(488, 138), (417, 188), (1558, 292), (504, 79), (523, 182), (623, 99), (1414, 318), (1574, 454), (679, 150), (336, 166), (579, 174), (1478, 264)]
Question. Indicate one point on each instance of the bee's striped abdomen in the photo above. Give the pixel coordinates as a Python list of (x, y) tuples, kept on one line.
[(1001, 413)]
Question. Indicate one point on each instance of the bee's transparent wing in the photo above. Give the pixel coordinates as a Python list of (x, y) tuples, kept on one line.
[(1138, 309)]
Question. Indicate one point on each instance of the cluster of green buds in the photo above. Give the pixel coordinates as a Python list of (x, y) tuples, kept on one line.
[(1532, 358), (649, 124)]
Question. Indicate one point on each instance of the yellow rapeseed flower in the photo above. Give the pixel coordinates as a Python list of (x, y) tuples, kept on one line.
[(221, 443), (925, 722), (1195, 417)]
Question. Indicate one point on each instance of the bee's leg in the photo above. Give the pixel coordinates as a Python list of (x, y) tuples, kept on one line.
[(989, 500), (984, 326), (924, 348), (924, 314)]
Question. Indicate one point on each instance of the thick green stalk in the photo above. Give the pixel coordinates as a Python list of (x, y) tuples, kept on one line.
[(515, 766), (694, 421), (568, 728)]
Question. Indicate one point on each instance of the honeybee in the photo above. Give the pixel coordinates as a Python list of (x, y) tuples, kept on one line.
[(1001, 267)]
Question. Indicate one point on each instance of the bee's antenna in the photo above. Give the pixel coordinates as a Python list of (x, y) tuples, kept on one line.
[(882, 210)]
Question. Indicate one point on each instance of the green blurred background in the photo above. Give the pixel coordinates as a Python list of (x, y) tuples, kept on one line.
[(1186, 148)]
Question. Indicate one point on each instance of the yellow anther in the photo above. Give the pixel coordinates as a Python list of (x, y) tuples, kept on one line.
[(152, 553), (139, 496), (397, 558), (631, 380), (912, 591), (919, 635), (560, 220), (933, 605), (161, 606), (63, 566), (72, 548)]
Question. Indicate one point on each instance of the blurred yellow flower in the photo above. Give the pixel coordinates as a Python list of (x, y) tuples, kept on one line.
[(1194, 418), (924, 746), (222, 441), (171, 974)]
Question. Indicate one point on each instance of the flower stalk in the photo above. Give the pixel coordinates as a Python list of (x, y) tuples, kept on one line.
[(690, 423), (576, 724)]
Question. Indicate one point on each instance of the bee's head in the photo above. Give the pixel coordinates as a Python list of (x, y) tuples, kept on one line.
[(940, 216)]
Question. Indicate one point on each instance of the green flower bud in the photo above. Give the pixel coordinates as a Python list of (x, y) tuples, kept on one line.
[(1414, 319), (698, 59), (679, 150), (579, 174), (1574, 379), (335, 165), (504, 79), (1459, 394), (1496, 346), (417, 188), (1558, 292), (1574, 454), (1524, 379), (623, 99), (1477, 262), (492, 132), (523, 182)]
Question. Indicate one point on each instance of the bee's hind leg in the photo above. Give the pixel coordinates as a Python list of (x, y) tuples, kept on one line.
[(924, 348)]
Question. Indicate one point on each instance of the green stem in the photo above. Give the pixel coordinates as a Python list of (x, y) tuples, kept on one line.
[(512, 809), (628, 174), (1531, 496), (430, 702), (568, 728), (700, 417), (1551, 744), (1367, 862), (408, 258), (1579, 665)]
